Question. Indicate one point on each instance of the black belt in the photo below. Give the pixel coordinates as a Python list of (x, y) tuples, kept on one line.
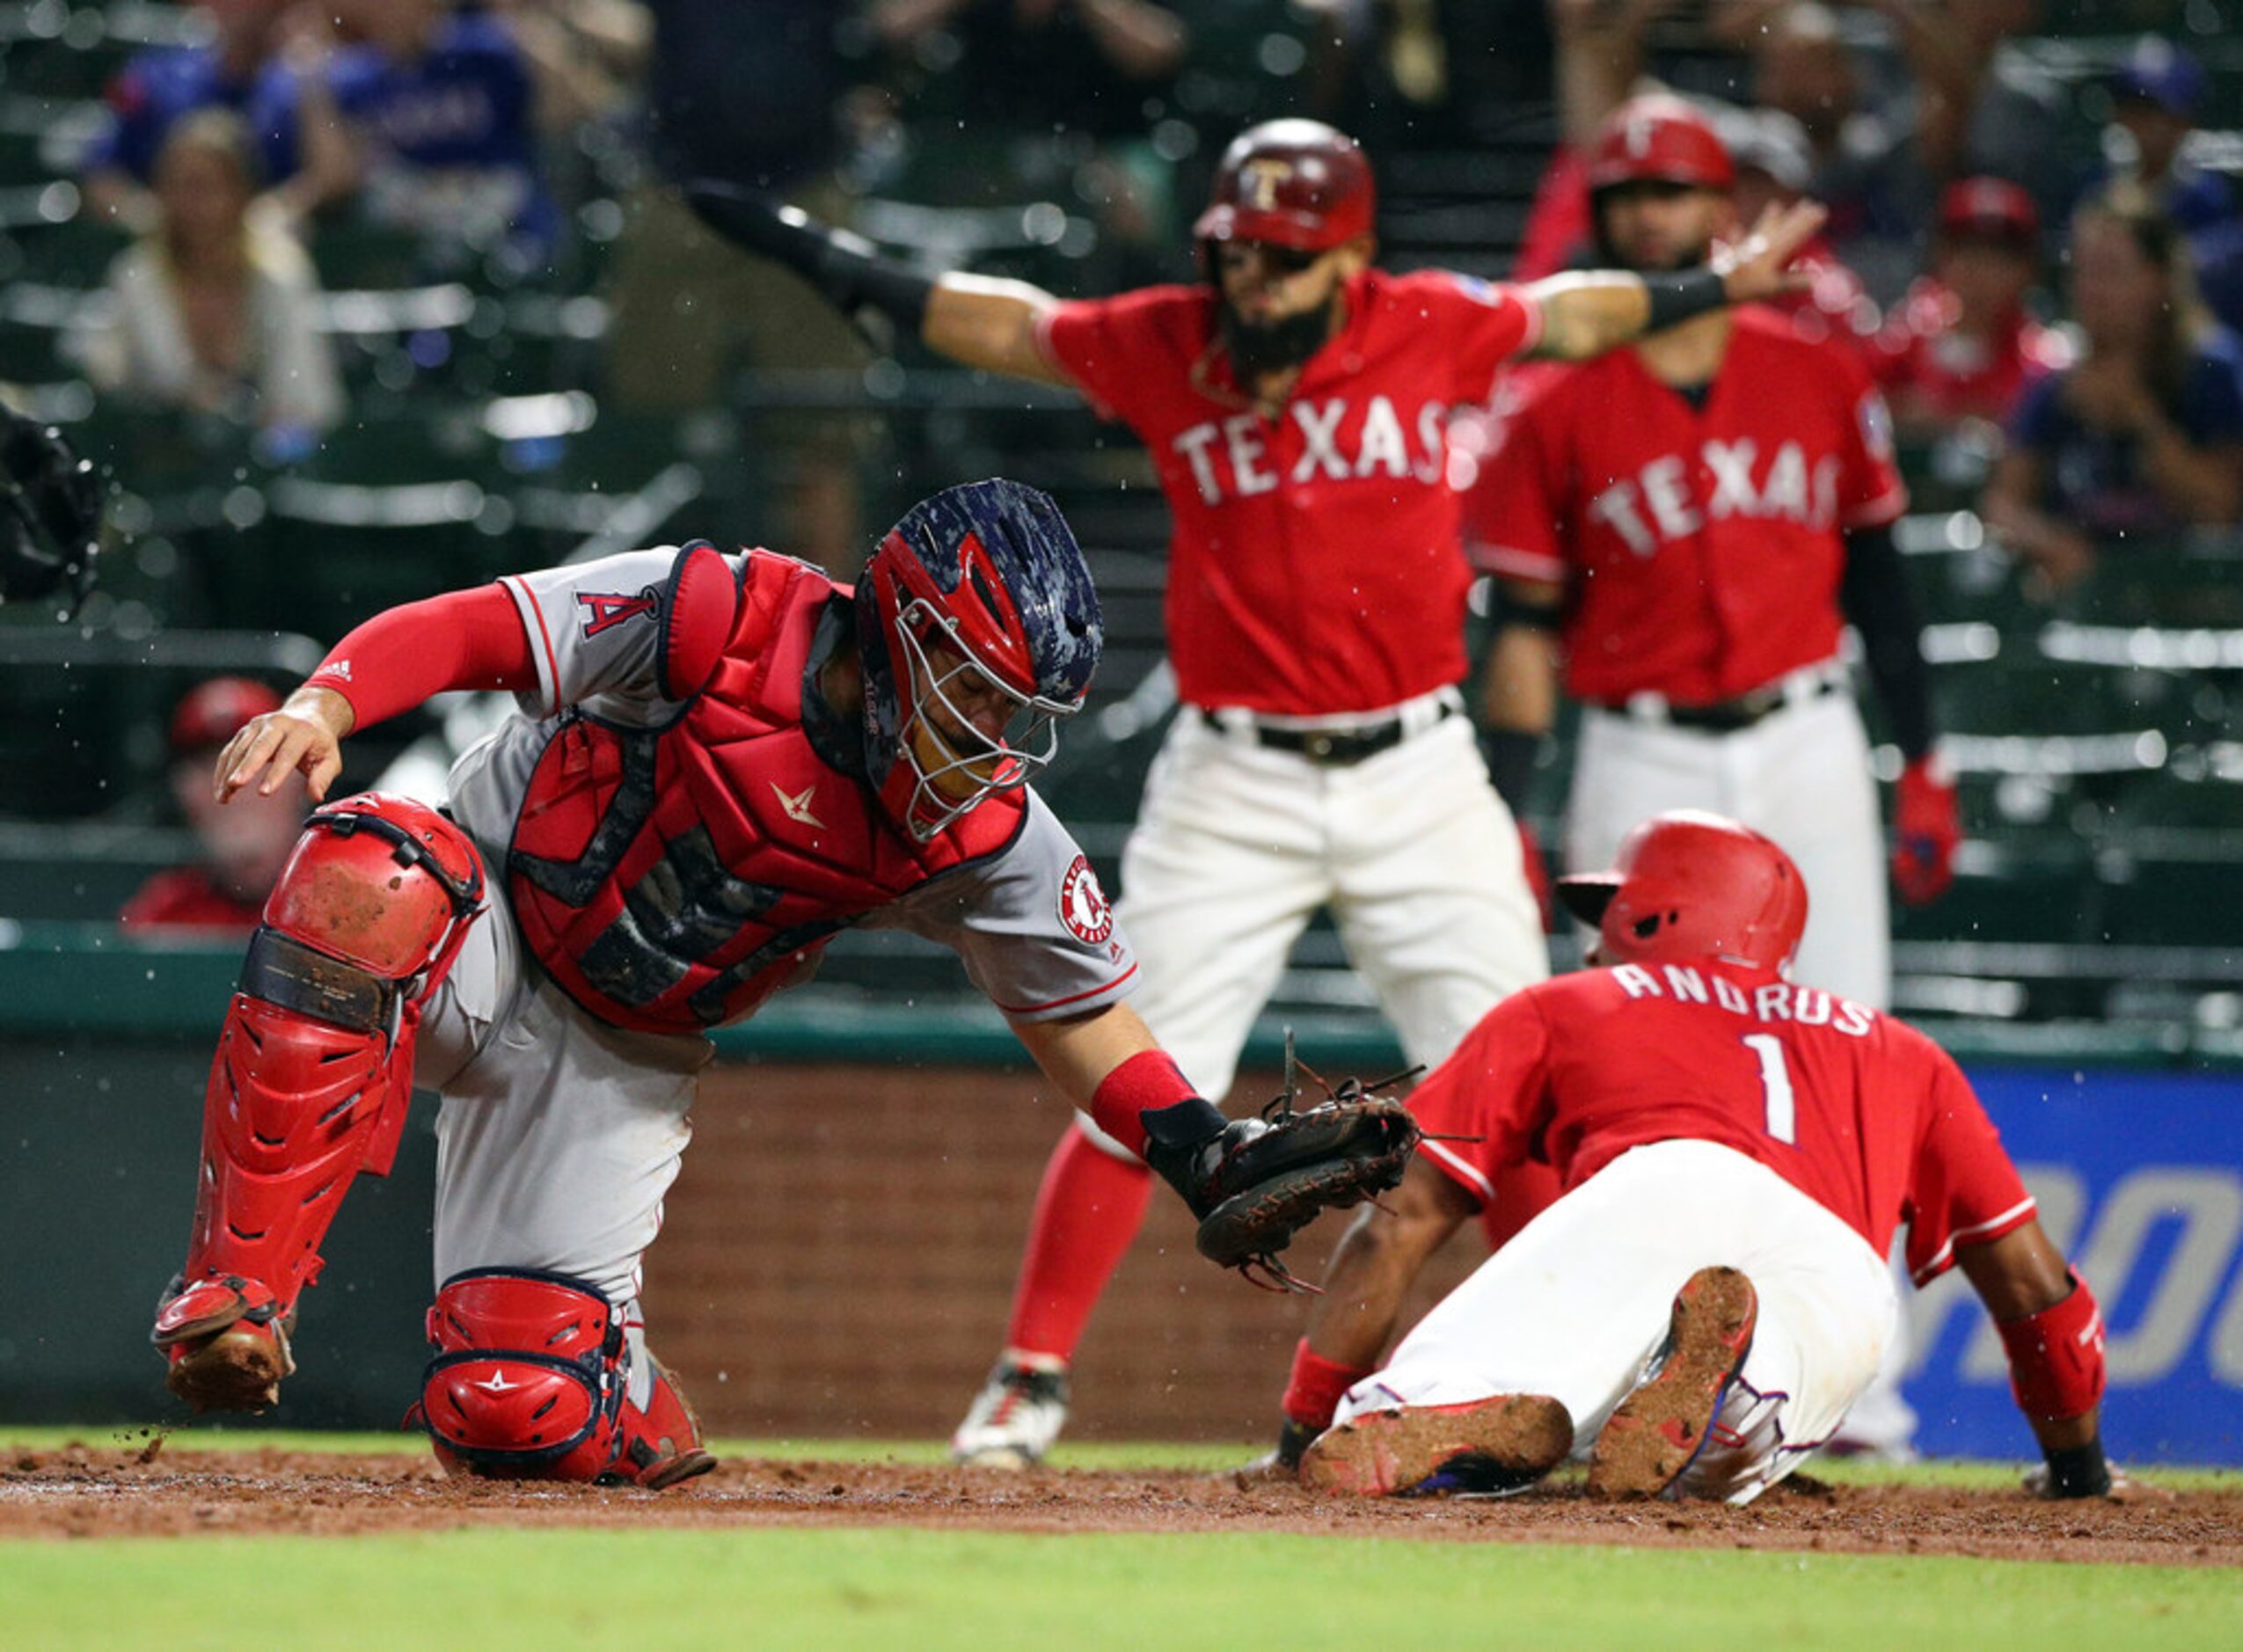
[(1727, 717), (1332, 748)]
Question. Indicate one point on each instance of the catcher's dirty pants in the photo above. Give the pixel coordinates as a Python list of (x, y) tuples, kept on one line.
[(558, 1134), (1238, 844), (1577, 1303)]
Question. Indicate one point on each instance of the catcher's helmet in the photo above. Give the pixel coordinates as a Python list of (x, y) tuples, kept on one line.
[(1660, 138), (1690, 884), (988, 574), (1292, 183)]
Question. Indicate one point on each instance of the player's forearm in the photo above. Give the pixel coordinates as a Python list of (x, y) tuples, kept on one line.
[(1519, 689), (1377, 1261), (990, 323), (403, 656), (1874, 596), (1144, 41), (1586, 314)]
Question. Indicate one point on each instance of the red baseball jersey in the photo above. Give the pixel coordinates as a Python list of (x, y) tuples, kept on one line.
[(1702, 546), (1931, 371), (1867, 1116), (1315, 560)]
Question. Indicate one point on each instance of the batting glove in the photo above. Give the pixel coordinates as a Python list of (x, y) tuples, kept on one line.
[(1928, 826)]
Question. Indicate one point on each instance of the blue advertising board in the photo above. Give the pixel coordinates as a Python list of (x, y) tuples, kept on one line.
[(2139, 1178)]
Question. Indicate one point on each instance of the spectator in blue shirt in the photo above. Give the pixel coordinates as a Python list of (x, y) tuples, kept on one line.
[(231, 70), (2143, 438), (439, 113), (2156, 96)]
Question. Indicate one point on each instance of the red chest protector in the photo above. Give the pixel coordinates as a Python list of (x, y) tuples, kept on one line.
[(672, 879)]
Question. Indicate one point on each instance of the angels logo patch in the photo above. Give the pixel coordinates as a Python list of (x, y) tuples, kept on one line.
[(605, 611), (1082, 906)]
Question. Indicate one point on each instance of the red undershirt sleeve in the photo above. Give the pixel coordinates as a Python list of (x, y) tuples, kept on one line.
[(402, 656)]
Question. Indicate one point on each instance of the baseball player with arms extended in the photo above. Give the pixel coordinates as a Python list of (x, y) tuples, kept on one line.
[(719, 762), (1683, 530), (1726, 1138), (1295, 405)]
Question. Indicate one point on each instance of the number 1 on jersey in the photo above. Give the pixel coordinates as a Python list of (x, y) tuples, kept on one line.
[(1775, 1086)]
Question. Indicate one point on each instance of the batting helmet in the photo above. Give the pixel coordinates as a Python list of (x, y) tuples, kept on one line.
[(1292, 183), (1690, 884), (1660, 138), (990, 574), (208, 714)]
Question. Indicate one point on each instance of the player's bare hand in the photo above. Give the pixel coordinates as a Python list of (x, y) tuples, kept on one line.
[(1759, 266), (304, 735)]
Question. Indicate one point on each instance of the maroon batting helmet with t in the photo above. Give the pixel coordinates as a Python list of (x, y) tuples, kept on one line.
[(1659, 139), (1292, 183), (1690, 884)]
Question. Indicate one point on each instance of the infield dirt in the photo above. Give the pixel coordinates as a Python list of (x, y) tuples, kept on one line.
[(88, 1491)]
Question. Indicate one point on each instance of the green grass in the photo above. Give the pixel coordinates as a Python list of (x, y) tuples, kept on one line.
[(895, 1588)]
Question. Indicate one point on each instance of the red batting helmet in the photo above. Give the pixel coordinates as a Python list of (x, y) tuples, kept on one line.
[(1293, 183), (1690, 884), (209, 712), (1659, 138)]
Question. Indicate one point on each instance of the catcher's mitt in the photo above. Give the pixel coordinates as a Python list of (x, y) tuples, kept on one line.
[(1274, 1175), (50, 515)]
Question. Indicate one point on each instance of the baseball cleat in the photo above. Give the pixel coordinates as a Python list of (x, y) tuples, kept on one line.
[(227, 1342), (1483, 1446), (1014, 1419), (1659, 1430)]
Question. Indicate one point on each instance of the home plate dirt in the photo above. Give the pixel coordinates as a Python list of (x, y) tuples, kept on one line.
[(136, 1490)]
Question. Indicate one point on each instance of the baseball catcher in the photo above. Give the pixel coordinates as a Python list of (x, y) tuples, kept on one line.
[(721, 761)]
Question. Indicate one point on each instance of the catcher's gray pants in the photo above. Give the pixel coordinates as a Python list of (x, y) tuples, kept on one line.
[(1578, 1302), (557, 1135)]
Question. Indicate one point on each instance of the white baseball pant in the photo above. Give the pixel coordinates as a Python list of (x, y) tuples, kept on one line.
[(1801, 775), (1577, 1305), (1236, 846)]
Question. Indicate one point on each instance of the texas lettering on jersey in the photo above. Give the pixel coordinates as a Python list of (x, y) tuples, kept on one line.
[(1232, 457), (1665, 501)]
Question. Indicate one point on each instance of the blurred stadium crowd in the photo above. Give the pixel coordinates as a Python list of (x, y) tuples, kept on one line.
[(361, 300)]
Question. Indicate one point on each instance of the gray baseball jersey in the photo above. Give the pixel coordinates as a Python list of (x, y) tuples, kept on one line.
[(1032, 926)]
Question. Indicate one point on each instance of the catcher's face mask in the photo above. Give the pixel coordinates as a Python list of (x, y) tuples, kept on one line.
[(978, 631)]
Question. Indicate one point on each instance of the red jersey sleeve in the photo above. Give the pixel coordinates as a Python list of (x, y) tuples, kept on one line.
[(1870, 491), (1484, 324), (1114, 349), (1489, 1088), (1511, 515), (1962, 1189)]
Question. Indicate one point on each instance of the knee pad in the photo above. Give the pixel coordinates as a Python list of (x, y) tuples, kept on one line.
[(530, 1381)]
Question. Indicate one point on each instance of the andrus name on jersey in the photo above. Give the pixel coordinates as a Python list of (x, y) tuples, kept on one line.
[(1674, 497), (1773, 1001), (1333, 448)]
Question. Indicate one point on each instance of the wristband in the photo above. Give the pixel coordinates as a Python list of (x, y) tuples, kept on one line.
[(2080, 1472), (2056, 1357), (1318, 1383), (1147, 1080), (1678, 297)]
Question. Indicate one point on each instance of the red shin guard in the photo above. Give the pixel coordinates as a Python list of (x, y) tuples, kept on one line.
[(312, 1078)]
